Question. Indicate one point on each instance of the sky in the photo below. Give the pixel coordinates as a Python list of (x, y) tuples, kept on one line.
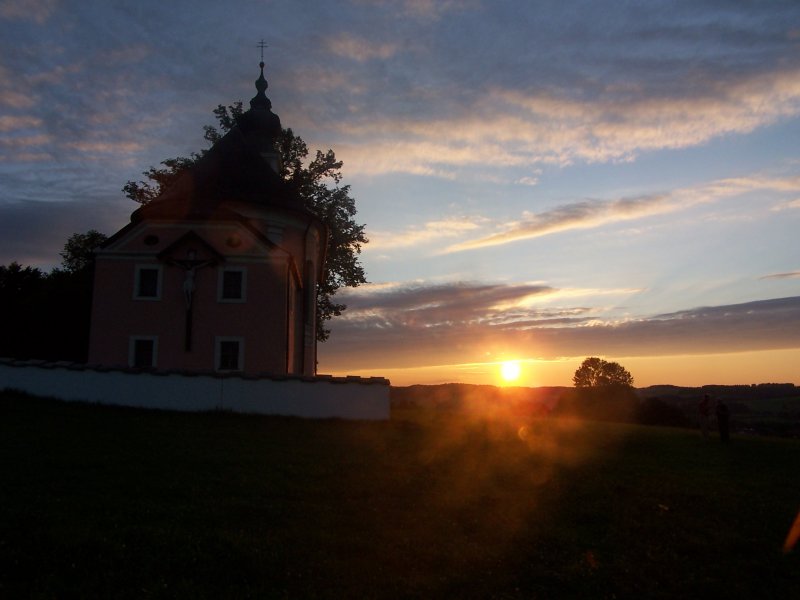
[(540, 181)]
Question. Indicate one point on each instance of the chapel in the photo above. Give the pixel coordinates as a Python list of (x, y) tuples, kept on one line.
[(220, 272)]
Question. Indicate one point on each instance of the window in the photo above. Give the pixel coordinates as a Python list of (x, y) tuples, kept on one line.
[(232, 285), (230, 354), (147, 285), (143, 351)]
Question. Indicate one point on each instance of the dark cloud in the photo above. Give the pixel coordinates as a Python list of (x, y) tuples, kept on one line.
[(449, 325), (431, 305), (34, 232)]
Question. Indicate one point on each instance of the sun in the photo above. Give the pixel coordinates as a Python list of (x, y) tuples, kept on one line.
[(510, 370)]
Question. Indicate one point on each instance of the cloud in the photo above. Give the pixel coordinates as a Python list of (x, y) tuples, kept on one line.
[(361, 49), (459, 322), (532, 181), (594, 213), (13, 93), (113, 147), (789, 275), (35, 232), (511, 127), (31, 10), (10, 123), (423, 10), (789, 205), (432, 231), (430, 157), (432, 9), (579, 215), (25, 141), (425, 306)]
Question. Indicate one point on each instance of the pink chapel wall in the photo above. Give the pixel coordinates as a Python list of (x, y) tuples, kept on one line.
[(259, 320), (273, 332)]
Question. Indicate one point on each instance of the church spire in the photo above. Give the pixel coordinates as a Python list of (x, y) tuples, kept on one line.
[(260, 100), (260, 126)]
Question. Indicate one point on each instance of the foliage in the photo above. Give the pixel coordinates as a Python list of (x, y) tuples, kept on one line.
[(316, 181), (48, 314), (597, 373), (78, 253), (18, 282)]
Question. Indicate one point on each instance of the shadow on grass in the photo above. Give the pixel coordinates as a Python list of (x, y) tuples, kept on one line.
[(105, 502)]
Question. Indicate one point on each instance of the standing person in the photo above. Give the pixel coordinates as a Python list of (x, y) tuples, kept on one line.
[(704, 410), (723, 421)]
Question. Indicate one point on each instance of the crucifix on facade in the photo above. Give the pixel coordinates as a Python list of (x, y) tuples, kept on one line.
[(190, 265)]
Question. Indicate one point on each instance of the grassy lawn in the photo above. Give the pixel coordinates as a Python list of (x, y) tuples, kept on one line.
[(110, 502)]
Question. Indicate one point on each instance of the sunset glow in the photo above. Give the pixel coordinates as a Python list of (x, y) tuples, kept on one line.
[(510, 371), (627, 191)]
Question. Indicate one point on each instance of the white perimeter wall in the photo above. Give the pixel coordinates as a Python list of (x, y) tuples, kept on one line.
[(320, 399)]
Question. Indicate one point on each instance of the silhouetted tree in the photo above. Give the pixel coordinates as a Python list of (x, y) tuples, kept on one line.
[(78, 253), (597, 373), (317, 183), (22, 291), (47, 316), (603, 391)]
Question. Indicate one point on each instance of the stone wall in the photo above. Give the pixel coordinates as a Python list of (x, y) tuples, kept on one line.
[(318, 397)]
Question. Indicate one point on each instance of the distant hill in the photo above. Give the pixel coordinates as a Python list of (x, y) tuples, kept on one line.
[(454, 394), (756, 391)]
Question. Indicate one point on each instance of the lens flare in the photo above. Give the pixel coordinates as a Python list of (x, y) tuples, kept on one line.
[(794, 535)]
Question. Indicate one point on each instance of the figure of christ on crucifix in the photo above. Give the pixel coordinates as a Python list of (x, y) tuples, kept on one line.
[(190, 265)]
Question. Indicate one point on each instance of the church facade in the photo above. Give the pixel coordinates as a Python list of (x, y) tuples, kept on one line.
[(220, 272)]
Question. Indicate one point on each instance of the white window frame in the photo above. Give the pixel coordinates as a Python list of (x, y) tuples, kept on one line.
[(218, 352), (132, 349), (221, 280), (137, 281)]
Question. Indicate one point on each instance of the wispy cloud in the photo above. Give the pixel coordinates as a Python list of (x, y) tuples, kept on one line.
[(11, 123), (361, 49), (32, 10), (789, 275), (426, 305), (508, 127), (423, 10), (468, 322), (25, 141), (429, 232), (14, 93), (594, 213), (433, 9), (109, 147), (579, 215), (788, 205)]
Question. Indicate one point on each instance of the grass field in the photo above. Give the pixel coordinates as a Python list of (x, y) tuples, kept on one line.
[(103, 502)]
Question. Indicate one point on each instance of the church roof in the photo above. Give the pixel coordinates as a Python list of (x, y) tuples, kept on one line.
[(239, 167)]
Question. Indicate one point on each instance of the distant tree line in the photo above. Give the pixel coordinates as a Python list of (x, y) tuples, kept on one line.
[(754, 391), (47, 315)]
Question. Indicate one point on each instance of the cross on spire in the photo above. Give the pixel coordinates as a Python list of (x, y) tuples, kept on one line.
[(262, 45)]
